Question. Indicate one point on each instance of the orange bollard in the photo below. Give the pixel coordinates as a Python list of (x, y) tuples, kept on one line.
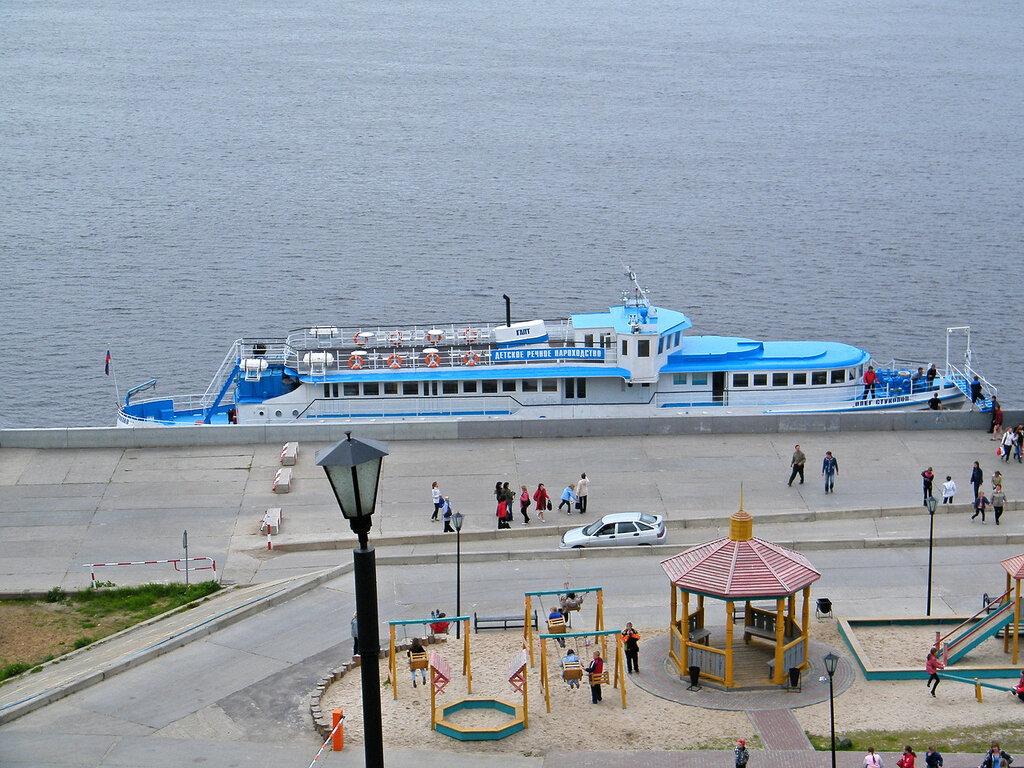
[(339, 734), (269, 545)]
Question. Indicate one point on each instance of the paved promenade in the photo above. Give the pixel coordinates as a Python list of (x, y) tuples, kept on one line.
[(231, 690)]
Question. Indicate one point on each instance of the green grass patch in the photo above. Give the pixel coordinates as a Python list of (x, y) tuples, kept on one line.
[(969, 738)]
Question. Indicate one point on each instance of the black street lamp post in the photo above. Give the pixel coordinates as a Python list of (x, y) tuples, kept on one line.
[(457, 520), (932, 505), (353, 470), (831, 661)]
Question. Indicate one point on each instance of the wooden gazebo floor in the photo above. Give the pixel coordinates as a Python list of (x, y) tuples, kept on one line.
[(749, 662)]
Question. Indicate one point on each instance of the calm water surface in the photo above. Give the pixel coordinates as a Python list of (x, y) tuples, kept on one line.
[(176, 175)]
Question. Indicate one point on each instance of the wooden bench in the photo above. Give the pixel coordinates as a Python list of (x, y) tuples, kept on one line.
[(702, 635), (289, 454), (282, 481), (502, 622), (271, 521), (767, 634)]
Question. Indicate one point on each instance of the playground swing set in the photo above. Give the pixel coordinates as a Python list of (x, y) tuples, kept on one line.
[(574, 671), (420, 660), (570, 600)]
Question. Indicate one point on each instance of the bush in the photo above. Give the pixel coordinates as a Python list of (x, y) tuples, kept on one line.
[(82, 642), (12, 670), (56, 595)]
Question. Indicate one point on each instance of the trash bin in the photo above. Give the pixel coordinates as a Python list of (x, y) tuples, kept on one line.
[(794, 677), (694, 677)]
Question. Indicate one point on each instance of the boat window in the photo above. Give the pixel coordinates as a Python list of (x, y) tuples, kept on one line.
[(780, 379), (450, 387), (679, 379), (570, 389), (760, 379), (643, 348), (678, 333), (529, 385), (819, 377), (549, 385), (661, 344), (838, 377), (799, 379), (606, 340), (390, 387), (508, 385), (351, 389), (489, 386), (410, 387), (581, 388), (371, 388), (327, 390), (588, 339), (469, 386), (625, 347), (699, 379), (740, 380)]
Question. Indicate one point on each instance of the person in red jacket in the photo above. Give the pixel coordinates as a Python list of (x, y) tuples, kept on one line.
[(541, 497), (908, 758), (870, 379), (932, 665), (595, 669)]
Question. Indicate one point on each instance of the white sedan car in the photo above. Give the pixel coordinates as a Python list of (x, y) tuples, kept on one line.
[(615, 530)]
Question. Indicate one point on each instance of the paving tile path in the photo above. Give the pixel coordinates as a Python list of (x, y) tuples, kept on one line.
[(779, 729)]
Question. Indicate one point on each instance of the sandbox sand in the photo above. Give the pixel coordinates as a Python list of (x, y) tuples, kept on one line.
[(653, 723)]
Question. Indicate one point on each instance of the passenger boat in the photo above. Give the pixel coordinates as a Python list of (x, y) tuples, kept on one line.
[(634, 359)]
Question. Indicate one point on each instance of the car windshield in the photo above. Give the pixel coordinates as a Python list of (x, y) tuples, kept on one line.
[(649, 519), (593, 528)]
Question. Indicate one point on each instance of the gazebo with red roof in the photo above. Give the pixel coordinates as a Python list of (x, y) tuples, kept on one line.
[(1014, 567), (737, 568)]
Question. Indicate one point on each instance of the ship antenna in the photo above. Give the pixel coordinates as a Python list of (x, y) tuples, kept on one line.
[(640, 294)]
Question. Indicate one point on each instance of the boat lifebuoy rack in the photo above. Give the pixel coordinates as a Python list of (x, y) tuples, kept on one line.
[(470, 358), (432, 360), (395, 361), (469, 335), (395, 338), (434, 335), (355, 362)]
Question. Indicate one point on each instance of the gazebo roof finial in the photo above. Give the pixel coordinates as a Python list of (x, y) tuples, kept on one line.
[(741, 524)]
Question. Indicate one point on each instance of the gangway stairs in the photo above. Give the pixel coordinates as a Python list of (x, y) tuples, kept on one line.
[(974, 634)]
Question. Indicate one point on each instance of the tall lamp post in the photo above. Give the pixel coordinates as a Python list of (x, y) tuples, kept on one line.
[(457, 520), (831, 661), (932, 505), (353, 470)]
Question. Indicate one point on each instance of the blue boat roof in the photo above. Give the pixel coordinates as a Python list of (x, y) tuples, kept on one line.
[(471, 374), (617, 318), (713, 353)]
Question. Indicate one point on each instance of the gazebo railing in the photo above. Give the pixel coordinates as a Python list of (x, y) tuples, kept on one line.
[(710, 660)]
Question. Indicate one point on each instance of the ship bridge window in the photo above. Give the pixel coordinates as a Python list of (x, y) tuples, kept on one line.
[(330, 390), (351, 389), (679, 379), (508, 385), (548, 385), (799, 379), (780, 379), (760, 379), (678, 334), (643, 348), (469, 387), (699, 379), (489, 386), (625, 347), (371, 388), (529, 385), (740, 380), (390, 387), (838, 377), (588, 340), (450, 387), (410, 387), (819, 377), (606, 340)]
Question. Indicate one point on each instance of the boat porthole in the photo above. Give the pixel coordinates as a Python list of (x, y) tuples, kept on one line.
[(277, 413), (295, 413), (262, 413)]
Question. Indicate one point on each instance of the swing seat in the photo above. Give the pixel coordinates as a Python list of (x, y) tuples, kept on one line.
[(556, 626), (571, 603), (599, 679), (572, 670), (418, 660), (439, 627)]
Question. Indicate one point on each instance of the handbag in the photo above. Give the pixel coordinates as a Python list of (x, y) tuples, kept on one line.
[(549, 505)]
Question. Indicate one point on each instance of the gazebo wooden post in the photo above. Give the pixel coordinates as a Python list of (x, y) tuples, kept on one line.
[(779, 674), (684, 656), (1009, 596), (807, 624), (673, 622), (1016, 621), (791, 611), (528, 629), (728, 644)]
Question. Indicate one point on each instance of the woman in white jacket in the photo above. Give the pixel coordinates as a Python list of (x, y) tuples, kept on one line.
[(948, 490), (581, 491)]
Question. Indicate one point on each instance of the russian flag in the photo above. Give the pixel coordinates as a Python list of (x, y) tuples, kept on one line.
[(106, 366)]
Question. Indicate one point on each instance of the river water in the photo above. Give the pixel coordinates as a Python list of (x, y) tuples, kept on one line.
[(179, 174)]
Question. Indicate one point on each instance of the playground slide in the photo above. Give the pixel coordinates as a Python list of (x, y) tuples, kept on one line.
[(961, 645)]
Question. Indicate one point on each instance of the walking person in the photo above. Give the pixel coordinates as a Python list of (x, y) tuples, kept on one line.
[(435, 494), (568, 499), (595, 669), (928, 476), (741, 754), (908, 757), (631, 646), (509, 496), (977, 478), (446, 515), (870, 380), (979, 506), (998, 502), (540, 496), (948, 490), (829, 470), (932, 665), (994, 756), (797, 463), (871, 760), (932, 758), (976, 393), (997, 479), (524, 505), (1018, 442), (582, 487), (1006, 443), (997, 419)]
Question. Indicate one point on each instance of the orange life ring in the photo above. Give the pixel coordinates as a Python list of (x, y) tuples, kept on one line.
[(471, 358), (433, 360), (470, 335), (396, 337), (357, 340), (395, 361), (355, 362), (433, 338)]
